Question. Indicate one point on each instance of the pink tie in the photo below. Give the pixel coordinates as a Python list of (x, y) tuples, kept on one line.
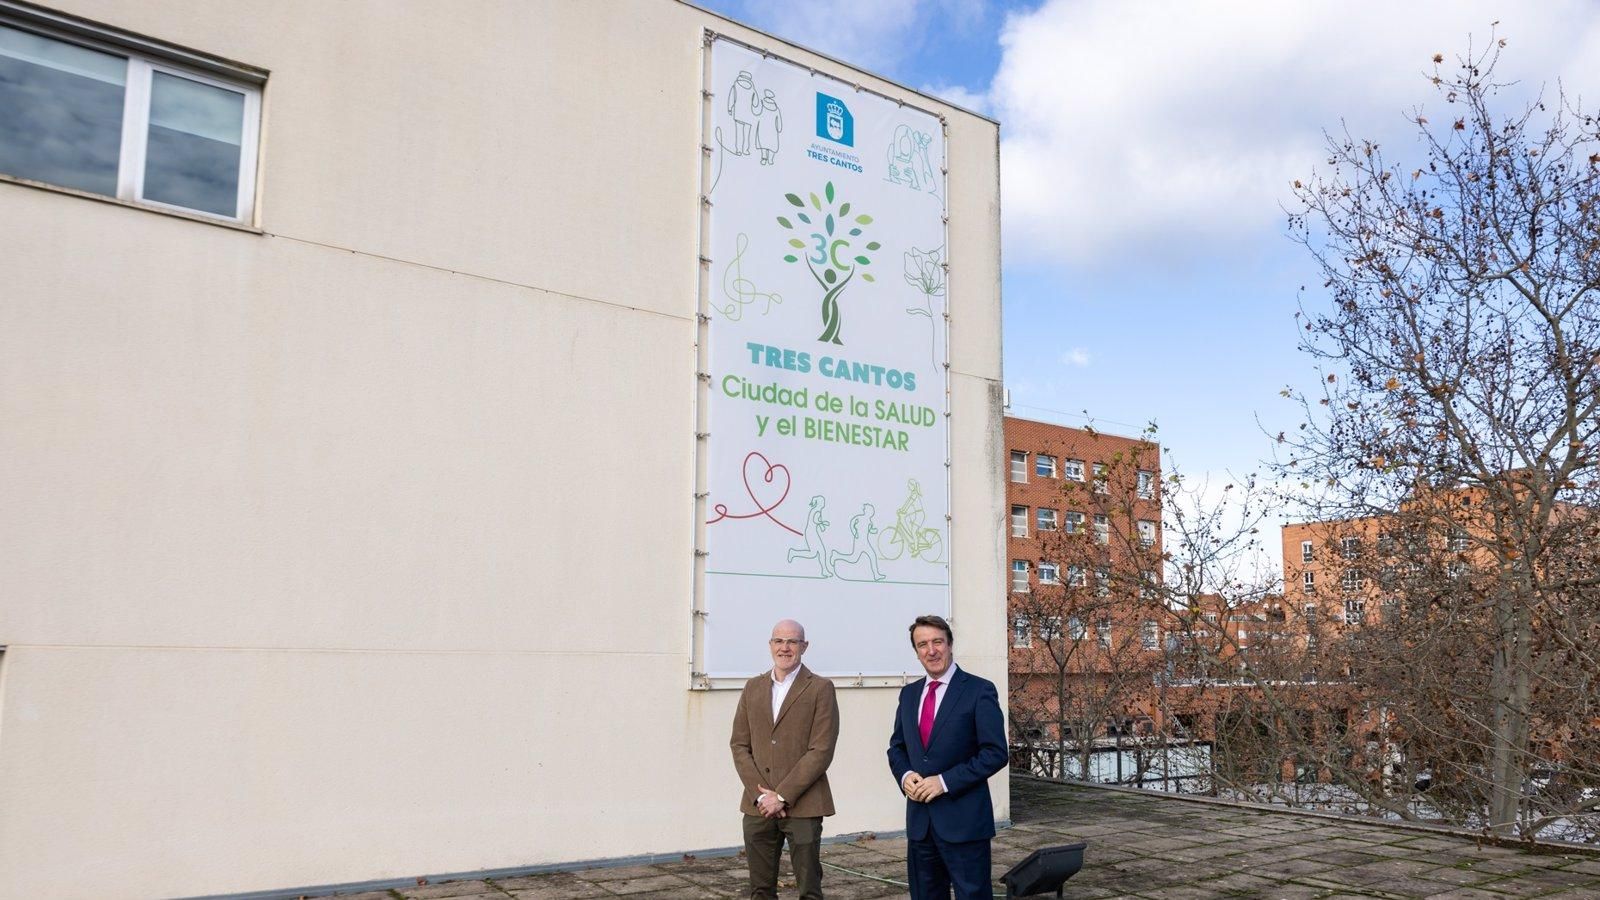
[(926, 724)]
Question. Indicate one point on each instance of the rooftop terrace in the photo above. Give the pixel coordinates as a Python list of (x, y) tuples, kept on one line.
[(1140, 845)]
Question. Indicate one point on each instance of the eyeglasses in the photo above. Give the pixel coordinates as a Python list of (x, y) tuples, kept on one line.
[(786, 642)]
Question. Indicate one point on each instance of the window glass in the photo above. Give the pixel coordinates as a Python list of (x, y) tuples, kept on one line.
[(60, 112), (1044, 466), (193, 156)]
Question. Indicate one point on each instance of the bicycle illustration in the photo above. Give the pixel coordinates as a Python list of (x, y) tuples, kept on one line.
[(908, 535)]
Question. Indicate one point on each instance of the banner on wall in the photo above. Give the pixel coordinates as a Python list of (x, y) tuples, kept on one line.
[(826, 457)]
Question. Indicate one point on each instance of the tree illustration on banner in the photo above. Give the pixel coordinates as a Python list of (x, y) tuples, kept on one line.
[(827, 250)]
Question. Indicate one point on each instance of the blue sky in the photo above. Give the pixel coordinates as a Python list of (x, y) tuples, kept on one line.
[(1146, 155)]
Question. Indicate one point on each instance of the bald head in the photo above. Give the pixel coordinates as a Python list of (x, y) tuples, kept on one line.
[(788, 644)]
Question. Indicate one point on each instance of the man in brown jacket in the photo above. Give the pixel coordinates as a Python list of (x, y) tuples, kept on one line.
[(783, 738)]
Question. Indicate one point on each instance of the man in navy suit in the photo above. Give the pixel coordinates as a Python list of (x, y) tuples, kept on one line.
[(949, 737)]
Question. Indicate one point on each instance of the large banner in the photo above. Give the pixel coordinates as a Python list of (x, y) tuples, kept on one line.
[(826, 472)]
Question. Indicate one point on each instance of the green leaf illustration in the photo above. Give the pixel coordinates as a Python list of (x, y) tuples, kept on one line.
[(863, 220), (828, 190), (797, 243), (873, 245), (863, 260), (844, 210), (867, 277), (829, 222), (803, 217), (791, 258), (854, 232), (815, 202), (785, 222)]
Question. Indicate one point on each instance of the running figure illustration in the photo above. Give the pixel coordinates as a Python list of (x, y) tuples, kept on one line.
[(861, 545), (814, 549)]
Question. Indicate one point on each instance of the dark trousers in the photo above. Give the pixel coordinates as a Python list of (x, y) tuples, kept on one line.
[(935, 865), (763, 848)]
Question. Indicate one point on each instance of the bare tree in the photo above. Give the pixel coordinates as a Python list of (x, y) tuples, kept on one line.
[(1458, 412)]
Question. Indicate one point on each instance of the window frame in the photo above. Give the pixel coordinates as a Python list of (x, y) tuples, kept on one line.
[(1042, 522), (1067, 469), (1039, 460), (1049, 573), (1147, 533), (1146, 485), (1019, 520), (1021, 631), (1308, 582), (1019, 467), (1019, 567), (144, 58), (1307, 551)]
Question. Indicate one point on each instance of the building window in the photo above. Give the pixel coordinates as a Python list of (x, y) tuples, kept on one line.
[(1102, 528), (1100, 478), (1308, 582), (1076, 577), (1459, 539), (1102, 631), (1150, 635), (1050, 628), (1047, 519), (1147, 533), (1075, 629), (1102, 582), (1019, 576), (1049, 574), (1021, 632), (1074, 522), (1310, 613), (1350, 547), (1072, 468), (1147, 485), (1351, 580), (1355, 611), (1019, 521), (1305, 551), (97, 119), (1019, 466), (1149, 585), (1044, 466)]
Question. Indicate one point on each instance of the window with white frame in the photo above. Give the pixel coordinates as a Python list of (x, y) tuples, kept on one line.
[(1075, 629), (1355, 611), (1352, 580), (1308, 582), (1102, 528), (1102, 630), (1046, 519), (1019, 576), (1102, 582), (1305, 551), (1019, 466), (1147, 485), (1019, 521), (1350, 547), (1072, 468), (1310, 614), (1149, 584), (1101, 476), (1044, 466), (1147, 533), (80, 111), (1022, 632), (1049, 627), (1076, 577), (1074, 522), (1049, 574), (1150, 635), (1459, 539)]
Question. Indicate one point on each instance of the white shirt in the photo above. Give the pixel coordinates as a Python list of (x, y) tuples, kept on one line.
[(944, 688), (780, 690)]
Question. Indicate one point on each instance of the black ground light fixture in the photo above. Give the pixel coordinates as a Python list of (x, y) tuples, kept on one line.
[(1044, 871)]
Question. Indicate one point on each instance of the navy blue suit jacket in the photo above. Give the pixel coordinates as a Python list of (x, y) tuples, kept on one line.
[(968, 744)]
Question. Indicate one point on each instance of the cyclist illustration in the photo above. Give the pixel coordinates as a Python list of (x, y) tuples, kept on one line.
[(814, 548), (908, 534), (861, 532)]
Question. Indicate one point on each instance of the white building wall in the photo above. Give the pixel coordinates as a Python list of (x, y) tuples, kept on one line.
[(360, 548)]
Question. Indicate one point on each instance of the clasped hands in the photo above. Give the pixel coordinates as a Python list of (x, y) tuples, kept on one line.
[(770, 804), (922, 789)]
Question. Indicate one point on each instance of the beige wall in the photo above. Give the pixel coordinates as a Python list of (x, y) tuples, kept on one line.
[(360, 548)]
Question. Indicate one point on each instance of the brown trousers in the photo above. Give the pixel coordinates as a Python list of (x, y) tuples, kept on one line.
[(763, 849)]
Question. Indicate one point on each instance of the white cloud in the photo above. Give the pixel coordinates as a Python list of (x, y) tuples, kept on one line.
[(874, 36), (960, 96), (1077, 356), (1144, 127)]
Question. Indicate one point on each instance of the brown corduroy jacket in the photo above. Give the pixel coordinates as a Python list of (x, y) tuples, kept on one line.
[(790, 755)]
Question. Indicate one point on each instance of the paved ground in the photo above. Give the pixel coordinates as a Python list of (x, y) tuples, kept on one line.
[(1144, 846)]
